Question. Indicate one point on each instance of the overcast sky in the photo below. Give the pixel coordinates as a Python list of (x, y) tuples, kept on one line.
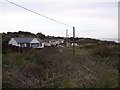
[(91, 18)]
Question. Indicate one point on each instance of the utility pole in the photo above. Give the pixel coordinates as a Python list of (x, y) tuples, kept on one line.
[(73, 40), (66, 38), (66, 33)]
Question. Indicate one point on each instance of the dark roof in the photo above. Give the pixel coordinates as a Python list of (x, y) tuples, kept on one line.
[(53, 40), (25, 40)]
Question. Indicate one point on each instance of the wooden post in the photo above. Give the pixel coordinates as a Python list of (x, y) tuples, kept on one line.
[(73, 40), (66, 37)]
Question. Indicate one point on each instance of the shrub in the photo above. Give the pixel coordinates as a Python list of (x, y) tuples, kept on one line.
[(90, 46), (104, 51), (38, 55)]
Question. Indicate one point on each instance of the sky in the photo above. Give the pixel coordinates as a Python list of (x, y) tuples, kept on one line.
[(91, 18)]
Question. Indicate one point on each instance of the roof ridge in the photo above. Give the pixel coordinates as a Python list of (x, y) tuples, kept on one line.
[(25, 39)]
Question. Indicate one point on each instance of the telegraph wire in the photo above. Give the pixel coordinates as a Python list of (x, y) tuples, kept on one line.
[(38, 13), (49, 19)]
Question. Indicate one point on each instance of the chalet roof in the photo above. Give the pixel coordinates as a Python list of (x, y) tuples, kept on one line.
[(45, 40), (25, 40)]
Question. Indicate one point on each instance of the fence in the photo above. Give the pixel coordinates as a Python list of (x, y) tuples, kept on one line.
[(20, 49)]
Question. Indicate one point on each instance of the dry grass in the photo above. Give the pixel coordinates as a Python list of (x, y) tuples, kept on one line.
[(56, 68)]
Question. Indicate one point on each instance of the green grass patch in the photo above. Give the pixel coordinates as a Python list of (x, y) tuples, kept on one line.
[(83, 51)]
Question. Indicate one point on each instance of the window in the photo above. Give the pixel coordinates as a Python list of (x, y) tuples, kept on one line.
[(34, 45), (27, 44), (22, 45)]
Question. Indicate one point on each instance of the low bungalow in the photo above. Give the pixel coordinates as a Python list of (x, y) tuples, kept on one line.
[(56, 41), (61, 40), (46, 43), (27, 42), (75, 44)]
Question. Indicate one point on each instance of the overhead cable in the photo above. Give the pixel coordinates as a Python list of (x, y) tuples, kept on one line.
[(38, 13)]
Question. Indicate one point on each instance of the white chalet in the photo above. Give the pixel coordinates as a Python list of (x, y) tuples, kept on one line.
[(27, 42), (75, 44), (46, 43), (56, 41)]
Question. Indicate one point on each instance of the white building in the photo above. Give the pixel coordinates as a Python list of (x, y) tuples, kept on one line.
[(56, 41), (46, 43), (75, 44), (27, 42)]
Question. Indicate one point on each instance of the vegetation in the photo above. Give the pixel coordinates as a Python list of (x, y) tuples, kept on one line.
[(94, 65), (59, 68)]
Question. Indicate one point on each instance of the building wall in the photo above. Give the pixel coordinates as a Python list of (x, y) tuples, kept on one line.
[(34, 41), (13, 42), (42, 45)]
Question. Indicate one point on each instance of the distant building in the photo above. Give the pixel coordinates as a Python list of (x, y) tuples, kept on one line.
[(46, 43), (75, 44), (61, 41), (56, 41), (27, 42)]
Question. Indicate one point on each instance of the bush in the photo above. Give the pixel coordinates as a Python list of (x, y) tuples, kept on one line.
[(104, 51), (38, 55), (90, 46)]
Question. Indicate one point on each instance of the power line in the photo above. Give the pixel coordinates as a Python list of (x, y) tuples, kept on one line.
[(38, 13), (47, 18)]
